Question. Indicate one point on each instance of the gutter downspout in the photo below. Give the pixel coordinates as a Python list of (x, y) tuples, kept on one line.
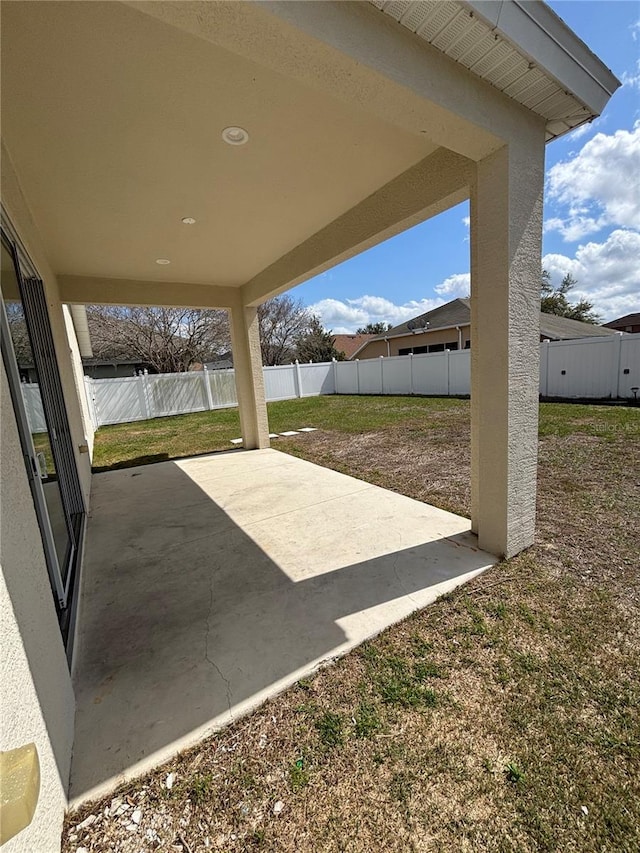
[(459, 331), (386, 340)]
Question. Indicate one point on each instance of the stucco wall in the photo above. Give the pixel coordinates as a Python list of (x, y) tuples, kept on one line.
[(36, 697), (20, 216), (78, 381), (437, 336)]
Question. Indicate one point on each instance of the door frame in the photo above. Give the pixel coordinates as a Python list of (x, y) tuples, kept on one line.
[(58, 586), (64, 587)]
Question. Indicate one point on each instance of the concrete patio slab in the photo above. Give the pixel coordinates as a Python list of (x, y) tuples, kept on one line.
[(214, 582)]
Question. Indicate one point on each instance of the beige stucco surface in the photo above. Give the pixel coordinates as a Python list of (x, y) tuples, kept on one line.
[(506, 242), (36, 698), (374, 349), (220, 580), (19, 213), (152, 133), (78, 380), (249, 377)]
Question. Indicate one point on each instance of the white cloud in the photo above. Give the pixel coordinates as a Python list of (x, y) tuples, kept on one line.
[(586, 128), (345, 316), (599, 187), (458, 284), (635, 30), (466, 221), (632, 78), (608, 273)]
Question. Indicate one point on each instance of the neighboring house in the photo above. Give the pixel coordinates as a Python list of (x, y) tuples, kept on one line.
[(220, 364), (449, 327), (628, 323), (105, 368), (126, 181), (348, 344), (96, 368)]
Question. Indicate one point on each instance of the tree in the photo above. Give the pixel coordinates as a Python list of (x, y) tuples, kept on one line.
[(374, 329), (554, 300), (317, 344), (171, 340), (18, 332), (283, 321)]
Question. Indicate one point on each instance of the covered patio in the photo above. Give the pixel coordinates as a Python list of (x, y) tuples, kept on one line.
[(214, 582), (259, 144), (214, 155)]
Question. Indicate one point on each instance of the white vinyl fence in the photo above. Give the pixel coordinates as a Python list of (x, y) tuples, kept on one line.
[(595, 368)]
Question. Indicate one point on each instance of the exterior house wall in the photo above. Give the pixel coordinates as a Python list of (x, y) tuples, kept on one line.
[(37, 696), (374, 349), (37, 702), (630, 328), (78, 380)]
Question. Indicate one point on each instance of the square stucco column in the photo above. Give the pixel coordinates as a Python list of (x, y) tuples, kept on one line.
[(247, 361), (506, 239)]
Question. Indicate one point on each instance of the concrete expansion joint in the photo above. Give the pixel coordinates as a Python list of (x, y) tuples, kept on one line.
[(210, 660)]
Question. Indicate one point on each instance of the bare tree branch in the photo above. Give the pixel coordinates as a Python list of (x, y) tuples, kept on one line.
[(283, 321), (170, 340)]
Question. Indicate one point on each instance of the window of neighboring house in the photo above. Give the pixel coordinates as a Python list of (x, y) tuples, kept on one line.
[(414, 350), (436, 348), (467, 345)]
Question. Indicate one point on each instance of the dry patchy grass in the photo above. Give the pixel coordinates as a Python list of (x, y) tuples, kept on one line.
[(504, 717)]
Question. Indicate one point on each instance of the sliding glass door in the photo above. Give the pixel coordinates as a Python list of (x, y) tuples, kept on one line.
[(31, 367)]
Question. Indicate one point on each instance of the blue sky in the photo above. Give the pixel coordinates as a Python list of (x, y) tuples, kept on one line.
[(592, 208)]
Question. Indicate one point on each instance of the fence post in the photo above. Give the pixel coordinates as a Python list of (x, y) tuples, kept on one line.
[(381, 374), (448, 354), (357, 375), (334, 366), (617, 364), (298, 378), (411, 373), (91, 401), (544, 368), (207, 386), (145, 394)]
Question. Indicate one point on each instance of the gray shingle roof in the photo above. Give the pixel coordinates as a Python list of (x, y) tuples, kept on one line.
[(564, 329), (458, 313), (454, 313)]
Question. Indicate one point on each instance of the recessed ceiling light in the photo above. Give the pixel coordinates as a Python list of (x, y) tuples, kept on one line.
[(189, 220), (163, 261), (235, 135)]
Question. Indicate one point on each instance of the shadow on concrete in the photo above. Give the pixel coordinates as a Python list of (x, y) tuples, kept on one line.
[(187, 622)]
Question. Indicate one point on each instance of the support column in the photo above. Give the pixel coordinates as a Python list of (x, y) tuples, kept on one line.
[(247, 362), (506, 239)]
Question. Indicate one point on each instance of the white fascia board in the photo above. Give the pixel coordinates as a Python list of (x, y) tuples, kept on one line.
[(535, 30)]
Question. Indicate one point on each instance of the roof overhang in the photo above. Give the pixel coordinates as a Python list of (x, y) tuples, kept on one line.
[(522, 48), (112, 119)]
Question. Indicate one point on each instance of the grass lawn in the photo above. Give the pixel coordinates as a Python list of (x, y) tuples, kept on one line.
[(504, 717)]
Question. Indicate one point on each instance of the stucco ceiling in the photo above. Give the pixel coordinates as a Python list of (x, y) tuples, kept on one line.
[(113, 121)]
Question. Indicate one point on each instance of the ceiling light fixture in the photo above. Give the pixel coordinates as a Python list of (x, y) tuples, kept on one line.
[(163, 261), (235, 135), (189, 220)]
